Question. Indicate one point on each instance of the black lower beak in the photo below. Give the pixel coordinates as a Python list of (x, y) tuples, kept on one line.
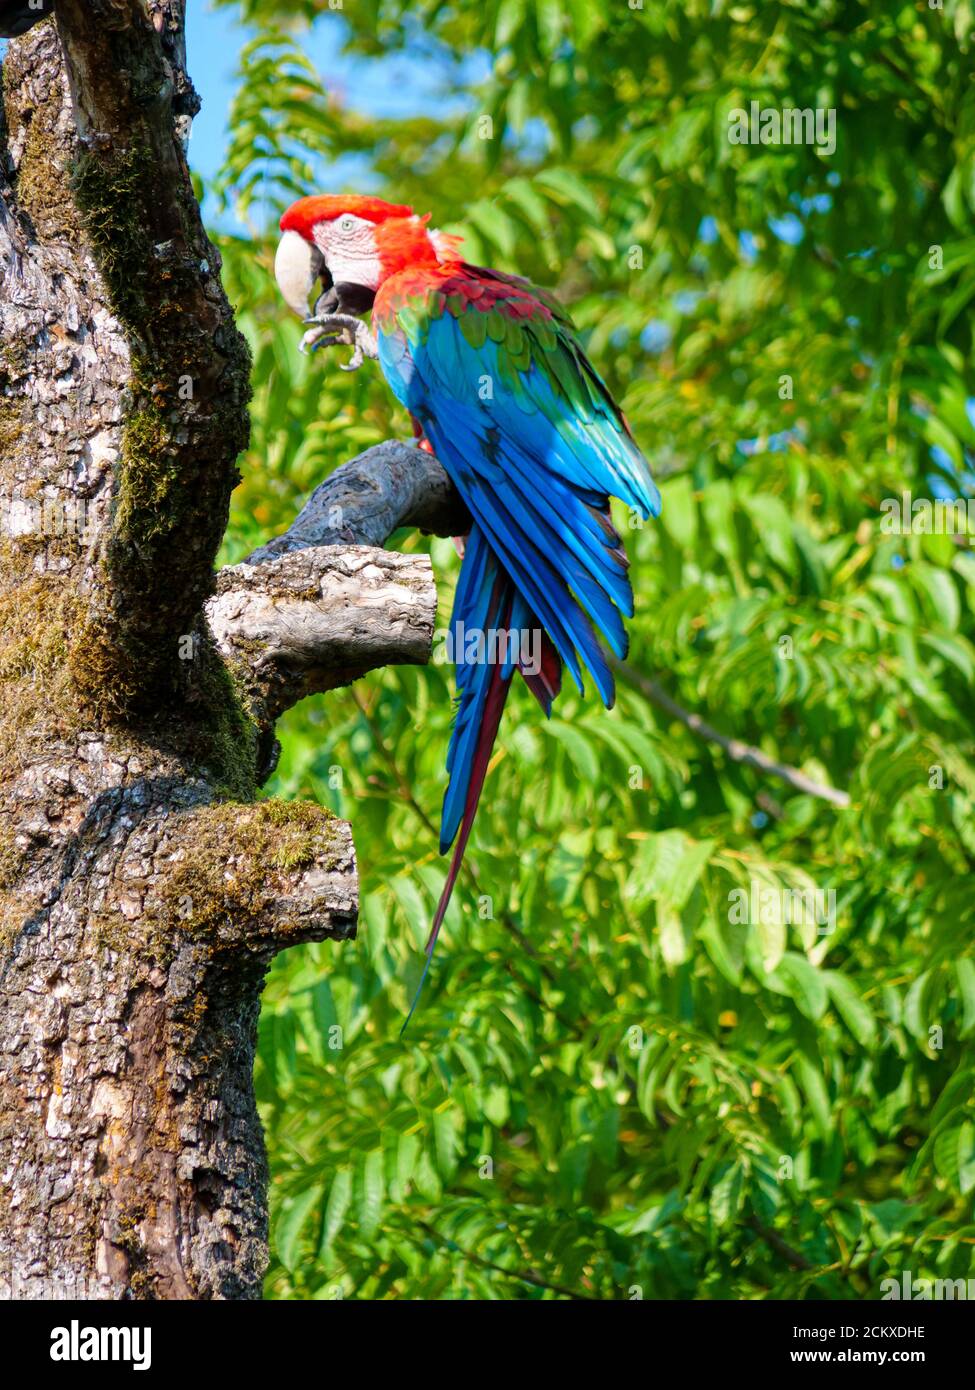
[(343, 298)]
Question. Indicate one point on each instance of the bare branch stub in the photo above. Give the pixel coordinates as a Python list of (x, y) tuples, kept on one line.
[(310, 620), (321, 604)]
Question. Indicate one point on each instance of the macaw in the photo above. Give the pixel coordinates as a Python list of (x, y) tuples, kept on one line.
[(498, 386)]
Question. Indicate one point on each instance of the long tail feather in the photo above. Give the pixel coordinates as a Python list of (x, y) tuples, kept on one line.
[(545, 685), (491, 720), (494, 702), (486, 603)]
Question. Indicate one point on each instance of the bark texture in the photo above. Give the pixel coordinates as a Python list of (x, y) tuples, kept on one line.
[(309, 611), (143, 888)]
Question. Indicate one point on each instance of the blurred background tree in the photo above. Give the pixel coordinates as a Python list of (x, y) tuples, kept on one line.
[(613, 1088)]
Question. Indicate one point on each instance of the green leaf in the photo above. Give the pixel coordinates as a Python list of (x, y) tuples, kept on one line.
[(446, 1141), (495, 224), (414, 908), (679, 511), (407, 1154), (567, 187), (339, 1201), (965, 975), (292, 1223), (806, 985), (727, 1196), (814, 1087), (855, 1013), (673, 943), (372, 1191), (577, 745)]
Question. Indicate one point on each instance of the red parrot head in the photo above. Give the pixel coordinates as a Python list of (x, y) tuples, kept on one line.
[(358, 240)]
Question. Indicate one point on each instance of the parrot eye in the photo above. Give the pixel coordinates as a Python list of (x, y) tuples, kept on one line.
[(347, 223)]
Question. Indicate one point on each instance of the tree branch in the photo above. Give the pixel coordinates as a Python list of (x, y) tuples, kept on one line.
[(781, 1247), (320, 605), (524, 1276), (310, 620), (183, 417), (365, 500), (158, 933), (736, 750), (255, 877)]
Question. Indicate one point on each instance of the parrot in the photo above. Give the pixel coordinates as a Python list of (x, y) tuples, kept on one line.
[(499, 389)]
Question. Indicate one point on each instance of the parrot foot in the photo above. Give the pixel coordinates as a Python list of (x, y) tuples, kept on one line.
[(330, 329)]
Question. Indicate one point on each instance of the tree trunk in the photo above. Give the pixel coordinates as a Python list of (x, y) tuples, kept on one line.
[(143, 888)]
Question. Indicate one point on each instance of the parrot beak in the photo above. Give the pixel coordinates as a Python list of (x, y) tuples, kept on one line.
[(297, 265)]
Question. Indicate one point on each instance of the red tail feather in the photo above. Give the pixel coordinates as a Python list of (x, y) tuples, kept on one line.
[(545, 683), (493, 708), (490, 722)]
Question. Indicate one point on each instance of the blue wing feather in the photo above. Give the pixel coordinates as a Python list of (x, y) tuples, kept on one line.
[(517, 473), (483, 596)]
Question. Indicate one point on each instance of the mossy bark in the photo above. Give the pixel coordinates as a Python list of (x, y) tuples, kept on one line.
[(142, 891)]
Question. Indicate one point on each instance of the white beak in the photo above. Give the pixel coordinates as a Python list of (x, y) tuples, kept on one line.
[(297, 265)]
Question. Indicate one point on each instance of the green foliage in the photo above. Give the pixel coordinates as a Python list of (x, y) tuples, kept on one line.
[(619, 1077)]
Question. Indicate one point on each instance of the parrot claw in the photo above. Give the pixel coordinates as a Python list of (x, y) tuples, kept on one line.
[(316, 338), (331, 329)]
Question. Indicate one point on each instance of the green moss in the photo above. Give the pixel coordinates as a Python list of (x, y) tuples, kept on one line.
[(39, 702), (11, 918), (106, 676), (192, 713), (10, 430), (36, 616), (226, 873), (148, 472), (11, 859), (65, 664), (11, 409), (107, 188), (41, 187), (13, 361), (152, 496), (60, 672), (201, 891), (220, 735), (171, 497), (17, 907)]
